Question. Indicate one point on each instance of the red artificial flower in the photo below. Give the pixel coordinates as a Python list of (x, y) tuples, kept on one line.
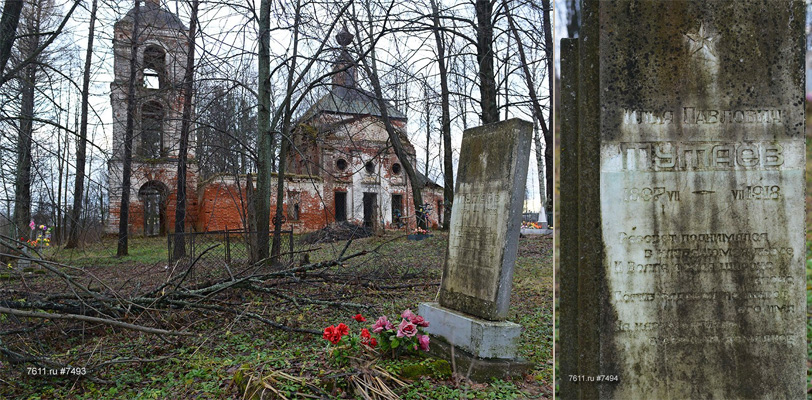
[(367, 339), (359, 318), (342, 330), (331, 334), (334, 333)]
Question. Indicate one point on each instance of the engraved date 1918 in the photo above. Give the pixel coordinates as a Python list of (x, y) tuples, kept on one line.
[(767, 192), (589, 378)]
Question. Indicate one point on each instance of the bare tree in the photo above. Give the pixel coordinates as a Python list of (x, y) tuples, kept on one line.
[(81, 143), (484, 53), (370, 66), (543, 161), (35, 17), (124, 212), (186, 122), (12, 10), (445, 118), (265, 139)]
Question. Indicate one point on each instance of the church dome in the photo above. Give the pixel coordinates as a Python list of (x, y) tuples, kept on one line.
[(152, 14)]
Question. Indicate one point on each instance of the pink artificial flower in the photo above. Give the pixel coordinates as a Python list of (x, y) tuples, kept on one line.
[(32, 225), (407, 329), (424, 342), (382, 324), (419, 321), (408, 314)]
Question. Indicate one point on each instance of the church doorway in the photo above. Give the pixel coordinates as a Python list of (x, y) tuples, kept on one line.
[(370, 205), (153, 196), (341, 206)]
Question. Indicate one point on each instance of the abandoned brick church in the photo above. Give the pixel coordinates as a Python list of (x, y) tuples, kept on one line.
[(342, 168)]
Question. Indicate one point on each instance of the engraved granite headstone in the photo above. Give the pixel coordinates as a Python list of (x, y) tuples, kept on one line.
[(482, 245), (683, 274)]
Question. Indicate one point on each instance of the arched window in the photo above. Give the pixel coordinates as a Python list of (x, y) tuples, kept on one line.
[(154, 67), (152, 118)]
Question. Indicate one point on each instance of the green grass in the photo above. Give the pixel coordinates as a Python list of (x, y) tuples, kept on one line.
[(204, 367), (103, 253)]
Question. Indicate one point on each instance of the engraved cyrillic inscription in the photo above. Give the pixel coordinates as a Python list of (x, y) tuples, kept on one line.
[(700, 116), (700, 156)]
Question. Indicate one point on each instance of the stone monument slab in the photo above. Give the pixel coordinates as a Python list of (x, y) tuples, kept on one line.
[(486, 218), (695, 285), (468, 324)]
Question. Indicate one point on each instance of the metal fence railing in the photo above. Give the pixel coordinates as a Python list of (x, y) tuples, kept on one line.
[(225, 248)]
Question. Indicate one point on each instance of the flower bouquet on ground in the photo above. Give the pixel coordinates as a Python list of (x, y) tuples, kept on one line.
[(385, 339), (531, 225), (419, 234), (40, 236), (368, 345)]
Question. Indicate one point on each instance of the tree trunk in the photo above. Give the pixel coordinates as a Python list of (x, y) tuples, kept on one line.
[(185, 127), (124, 212), (428, 128), (541, 165), (285, 143), (262, 200), (22, 187), (573, 18), (484, 56), (251, 217), (445, 120), (548, 137), (280, 199), (81, 143), (12, 10)]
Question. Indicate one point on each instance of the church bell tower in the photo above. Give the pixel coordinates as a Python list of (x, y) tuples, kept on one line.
[(162, 43)]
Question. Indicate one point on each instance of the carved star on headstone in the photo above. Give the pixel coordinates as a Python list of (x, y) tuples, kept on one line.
[(702, 41)]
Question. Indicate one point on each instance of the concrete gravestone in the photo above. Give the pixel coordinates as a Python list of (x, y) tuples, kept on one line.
[(682, 274), (482, 245)]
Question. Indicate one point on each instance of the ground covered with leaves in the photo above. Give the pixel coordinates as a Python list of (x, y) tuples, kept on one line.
[(236, 355)]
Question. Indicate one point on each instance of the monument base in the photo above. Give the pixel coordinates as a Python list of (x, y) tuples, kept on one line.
[(477, 369), (481, 349)]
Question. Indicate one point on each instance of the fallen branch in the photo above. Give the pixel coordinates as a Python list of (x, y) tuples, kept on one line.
[(76, 317)]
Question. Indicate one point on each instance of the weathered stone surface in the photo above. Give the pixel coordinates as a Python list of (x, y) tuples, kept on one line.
[(486, 218), (475, 368), (700, 289), (567, 347), (481, 338)]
